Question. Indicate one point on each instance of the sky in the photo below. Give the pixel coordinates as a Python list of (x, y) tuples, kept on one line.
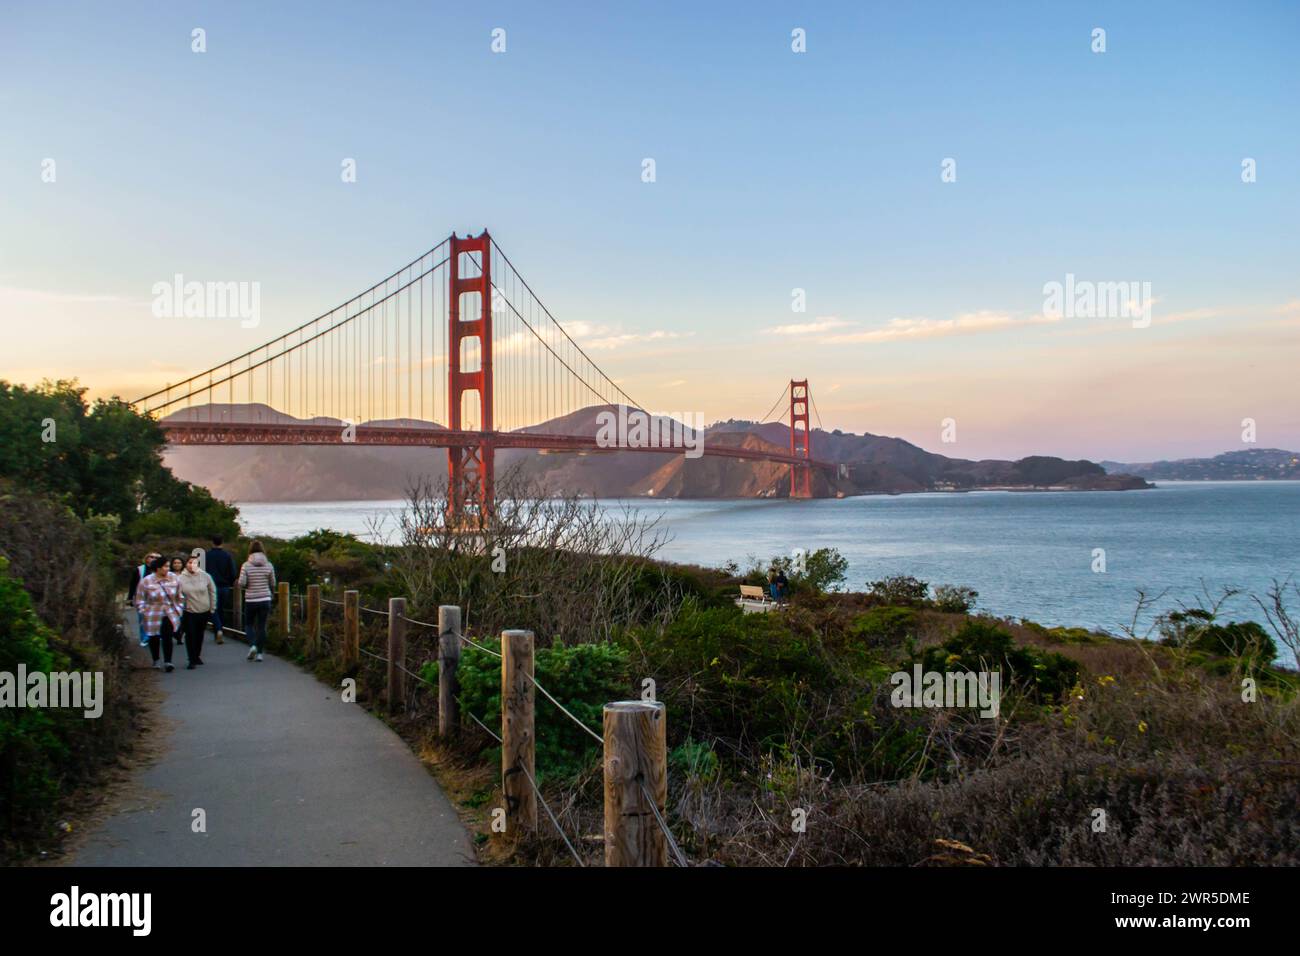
[(922, 172)]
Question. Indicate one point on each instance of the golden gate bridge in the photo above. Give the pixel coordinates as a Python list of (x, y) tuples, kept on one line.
[(460, 324)]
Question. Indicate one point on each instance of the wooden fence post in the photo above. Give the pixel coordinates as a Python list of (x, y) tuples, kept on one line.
[(448, 662), (517, 735), (396, 653), (237, 607), (351, 628), (636, 754), (313, 619), (283, 609)]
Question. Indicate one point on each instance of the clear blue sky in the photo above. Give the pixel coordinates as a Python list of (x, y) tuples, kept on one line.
[(775, 170)]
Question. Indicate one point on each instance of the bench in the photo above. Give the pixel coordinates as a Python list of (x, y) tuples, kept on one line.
[(751, 595)]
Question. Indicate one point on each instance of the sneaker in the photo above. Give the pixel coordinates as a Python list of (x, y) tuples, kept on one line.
[(259, 657), (252, 652), (168, 668), (220, 639), (157, 665), (199, 661), (189, 666)]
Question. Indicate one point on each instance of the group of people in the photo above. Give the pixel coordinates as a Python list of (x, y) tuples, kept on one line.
[(176, 598), (778, 585)]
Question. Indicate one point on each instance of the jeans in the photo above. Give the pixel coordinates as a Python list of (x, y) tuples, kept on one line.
[(255, 615), (223, 606)]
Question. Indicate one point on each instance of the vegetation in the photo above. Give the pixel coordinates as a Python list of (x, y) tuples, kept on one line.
[(100, 459), (792, 710), (82, 488), (57, 614)]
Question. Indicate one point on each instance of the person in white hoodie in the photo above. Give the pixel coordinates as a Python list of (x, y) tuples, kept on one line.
[(200, 598), (257, 578)]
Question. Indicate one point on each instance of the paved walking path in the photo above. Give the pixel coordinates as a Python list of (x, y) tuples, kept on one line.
[(286, 772)]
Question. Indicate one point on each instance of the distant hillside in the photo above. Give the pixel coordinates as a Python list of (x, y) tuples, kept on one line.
[(1253, 464), (870, 465)]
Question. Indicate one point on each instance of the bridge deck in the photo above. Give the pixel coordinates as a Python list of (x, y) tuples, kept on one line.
[(251, 433)]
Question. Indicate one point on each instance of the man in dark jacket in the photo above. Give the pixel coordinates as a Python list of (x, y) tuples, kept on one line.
[(221, 566)]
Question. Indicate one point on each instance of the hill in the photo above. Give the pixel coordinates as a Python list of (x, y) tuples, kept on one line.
[(870, 464), (1252, 464)]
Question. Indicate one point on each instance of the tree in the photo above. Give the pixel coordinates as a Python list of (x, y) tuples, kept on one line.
[(104, 459)]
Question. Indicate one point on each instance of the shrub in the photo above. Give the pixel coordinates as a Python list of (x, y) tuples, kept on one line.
[(693, 760), (31, 750), (884, 625), (899, 589), (954, 598), (292, 564), (980, 645), (823, 570), (1241, 639), (582, 677), (738, 676)]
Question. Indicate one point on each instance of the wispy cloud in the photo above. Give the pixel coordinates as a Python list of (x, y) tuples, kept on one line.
[(610, 342), (816, 327), (968, 323), (11, 295)]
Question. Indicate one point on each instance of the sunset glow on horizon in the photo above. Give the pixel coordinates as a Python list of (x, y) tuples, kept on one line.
[(787, 232)]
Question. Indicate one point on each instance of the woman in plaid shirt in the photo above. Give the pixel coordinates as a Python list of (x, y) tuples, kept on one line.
[(160, 602)]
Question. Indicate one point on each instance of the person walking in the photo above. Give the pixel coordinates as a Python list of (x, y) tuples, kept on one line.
[(160, 602), (177, 565), (221, 566), (257, 578), (200, 597), (140, 572)]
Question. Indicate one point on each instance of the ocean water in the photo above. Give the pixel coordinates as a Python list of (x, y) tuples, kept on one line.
[(1028, 554)]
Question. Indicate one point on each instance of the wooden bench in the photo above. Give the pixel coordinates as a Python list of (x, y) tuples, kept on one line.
[(752, 594)]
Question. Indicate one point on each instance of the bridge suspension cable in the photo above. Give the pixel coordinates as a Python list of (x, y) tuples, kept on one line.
[(767, 417)]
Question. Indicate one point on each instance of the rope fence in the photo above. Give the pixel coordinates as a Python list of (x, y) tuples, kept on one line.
[(633, 743)]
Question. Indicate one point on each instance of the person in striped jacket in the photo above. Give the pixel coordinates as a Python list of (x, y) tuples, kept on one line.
[(257, 578)]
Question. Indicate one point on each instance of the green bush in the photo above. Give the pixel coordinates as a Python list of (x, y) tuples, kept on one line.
[(954, 598), (882, 625), (582, 677), (736, 675), (818, 571), (292, 564), (983, 646), (1241, 639), (899, 589), (693, 760), (30, 747)]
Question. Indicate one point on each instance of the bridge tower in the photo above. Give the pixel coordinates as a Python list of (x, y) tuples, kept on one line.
[(471, 466), (800, 440)]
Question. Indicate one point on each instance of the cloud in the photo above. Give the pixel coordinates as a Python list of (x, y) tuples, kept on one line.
[(12, 296), (969, 323), (821, 324), (610, 342)]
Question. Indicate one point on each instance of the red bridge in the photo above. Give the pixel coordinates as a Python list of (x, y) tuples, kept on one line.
[(375, 359)]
